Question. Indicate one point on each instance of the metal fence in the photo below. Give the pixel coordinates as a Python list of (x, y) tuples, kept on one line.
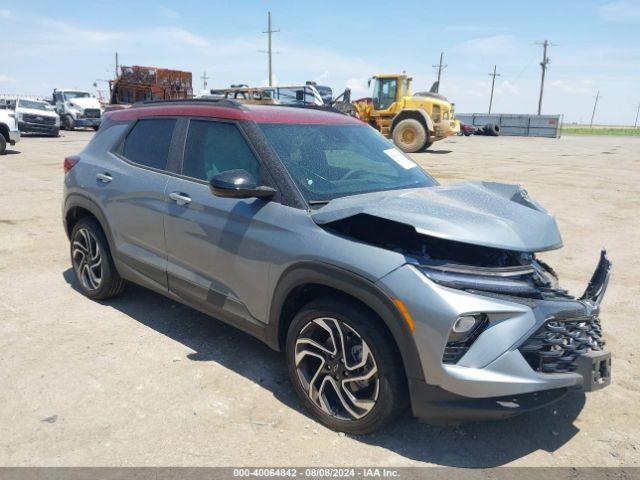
[(516, 125)]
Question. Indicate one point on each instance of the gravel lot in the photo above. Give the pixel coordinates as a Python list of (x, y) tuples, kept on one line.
[(141, 380)]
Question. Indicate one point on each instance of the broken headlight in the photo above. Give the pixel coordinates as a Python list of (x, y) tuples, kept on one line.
[(518, 280)]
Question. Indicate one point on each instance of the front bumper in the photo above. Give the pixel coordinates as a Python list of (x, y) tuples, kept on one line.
[(14, 137), (25, 127), (88, 122), (493, 366), (446, 128)]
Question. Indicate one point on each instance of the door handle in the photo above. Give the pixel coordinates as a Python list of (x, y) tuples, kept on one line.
[(104, 177), (180, 198)]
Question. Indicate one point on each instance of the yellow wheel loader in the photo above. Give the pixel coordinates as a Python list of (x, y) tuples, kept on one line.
[(414, 122)]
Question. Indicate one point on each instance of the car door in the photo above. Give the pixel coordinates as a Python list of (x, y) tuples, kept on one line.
[(218, 259), (133, 194)]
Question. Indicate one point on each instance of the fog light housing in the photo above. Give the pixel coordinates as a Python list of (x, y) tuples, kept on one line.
[(464, 323), (465, 331)]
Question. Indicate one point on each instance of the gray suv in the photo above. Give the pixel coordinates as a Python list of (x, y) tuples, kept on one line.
[(310, 231)]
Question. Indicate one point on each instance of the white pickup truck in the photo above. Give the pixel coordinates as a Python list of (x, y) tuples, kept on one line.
[(9, 134), (77, 109)]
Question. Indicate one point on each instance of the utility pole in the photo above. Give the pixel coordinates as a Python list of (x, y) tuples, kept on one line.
[(269, 32), (117, 65), (595, 104), (543, 64), (204, 80), (440, 67), (637, 112), (493, 82)]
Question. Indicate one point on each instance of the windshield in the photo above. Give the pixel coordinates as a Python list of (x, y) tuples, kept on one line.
[(70, 95), (294, 96), (34, 104), (331, 161)]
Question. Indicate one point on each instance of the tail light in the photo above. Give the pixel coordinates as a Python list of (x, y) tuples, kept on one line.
[(69, 162)]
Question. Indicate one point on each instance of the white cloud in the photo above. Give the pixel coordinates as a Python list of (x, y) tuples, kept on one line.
[(359, 87), (64, 32), (73, 36), (492, 45), (5, 13), (620, 11), (179, 35), (6, 78), (168, 13), (573, 87)]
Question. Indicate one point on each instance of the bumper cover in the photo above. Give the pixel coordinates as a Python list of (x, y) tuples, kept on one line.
[(88, 122), (493, 367), (14, 137), (25, 127), (436, 405)]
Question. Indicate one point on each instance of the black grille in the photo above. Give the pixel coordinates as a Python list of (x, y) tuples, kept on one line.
[(92, 113), (455, 350), (41, 119), (556, 345)]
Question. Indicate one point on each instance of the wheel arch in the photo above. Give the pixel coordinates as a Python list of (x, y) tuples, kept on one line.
[(417, 114), (78, 206), (306, 281)]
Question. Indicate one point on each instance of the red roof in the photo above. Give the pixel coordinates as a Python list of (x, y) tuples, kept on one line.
[(257, 113)]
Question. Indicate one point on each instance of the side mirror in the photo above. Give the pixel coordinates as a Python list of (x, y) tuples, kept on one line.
[(238, 184)]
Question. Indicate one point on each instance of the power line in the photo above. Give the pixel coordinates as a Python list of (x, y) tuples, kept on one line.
[(493, 82), (269, 31), (545, 61), (440, 67), (595, 104)]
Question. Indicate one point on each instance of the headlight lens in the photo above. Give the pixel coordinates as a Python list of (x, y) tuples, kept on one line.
[(513, 282)]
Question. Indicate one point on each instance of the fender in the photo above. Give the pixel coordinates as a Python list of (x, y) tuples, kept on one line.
[(75, 200), (351, 284), (425, 116)]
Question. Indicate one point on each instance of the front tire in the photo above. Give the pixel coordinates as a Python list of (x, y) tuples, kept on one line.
[(92, 262), (69, 123), (344, 367), (3, 144), (410, 135)]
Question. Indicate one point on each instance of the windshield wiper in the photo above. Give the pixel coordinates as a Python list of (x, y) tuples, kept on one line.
[(318, 202)]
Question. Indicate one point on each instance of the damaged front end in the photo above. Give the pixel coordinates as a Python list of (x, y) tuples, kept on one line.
[(567, 335)]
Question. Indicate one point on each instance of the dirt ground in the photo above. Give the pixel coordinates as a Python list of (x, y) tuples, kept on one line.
[(141, 380)]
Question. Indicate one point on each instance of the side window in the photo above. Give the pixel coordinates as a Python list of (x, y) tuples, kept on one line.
[(215, 147), (148, 143)]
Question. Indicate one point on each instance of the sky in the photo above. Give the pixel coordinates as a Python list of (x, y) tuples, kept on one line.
[(595, 46)]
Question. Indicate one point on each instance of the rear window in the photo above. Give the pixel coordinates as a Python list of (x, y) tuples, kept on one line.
[(148, 143)]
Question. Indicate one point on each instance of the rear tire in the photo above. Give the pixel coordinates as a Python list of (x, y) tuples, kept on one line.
[(410, 135), (92, 262), (377, 385)]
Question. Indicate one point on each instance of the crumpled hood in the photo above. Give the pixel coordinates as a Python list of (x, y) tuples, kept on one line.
[(489, 214), (35, 111), (85, 102)]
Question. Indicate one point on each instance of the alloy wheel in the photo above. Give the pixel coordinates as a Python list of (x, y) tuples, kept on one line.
[(337, 369), (87, 259)]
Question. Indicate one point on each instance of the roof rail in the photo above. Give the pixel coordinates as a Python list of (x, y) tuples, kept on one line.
[(222, 102)]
